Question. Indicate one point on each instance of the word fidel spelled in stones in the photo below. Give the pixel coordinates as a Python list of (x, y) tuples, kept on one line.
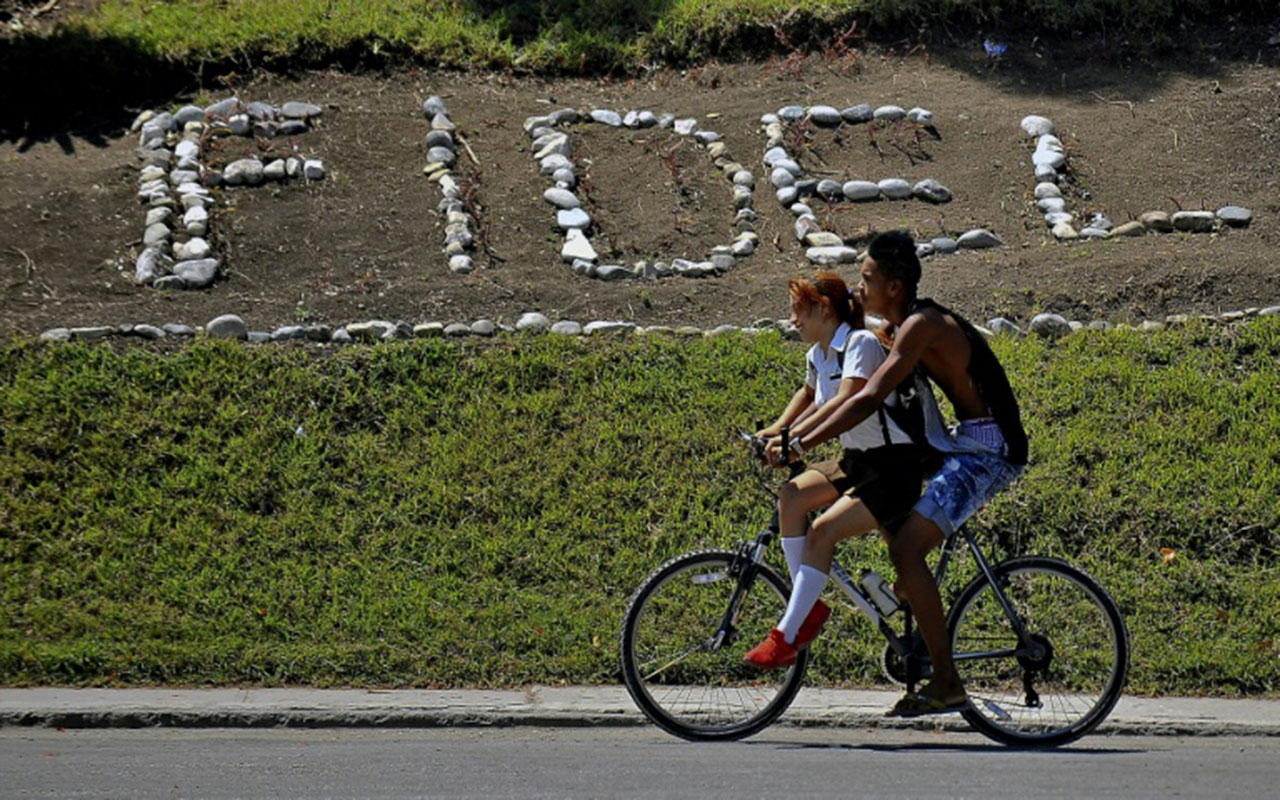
[(793, 188), (230, 326), (442, 155), (553, 150), (1051, 160), (175, 180)]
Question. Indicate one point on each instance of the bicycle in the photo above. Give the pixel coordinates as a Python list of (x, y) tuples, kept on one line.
[(1041, 647)]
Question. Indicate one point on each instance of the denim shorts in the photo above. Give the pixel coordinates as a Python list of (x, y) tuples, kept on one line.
[(964, 484)]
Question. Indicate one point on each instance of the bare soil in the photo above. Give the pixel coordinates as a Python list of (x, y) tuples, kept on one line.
[(366, 242)]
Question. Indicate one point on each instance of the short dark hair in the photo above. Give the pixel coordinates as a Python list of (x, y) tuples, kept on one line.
[(895, 255)]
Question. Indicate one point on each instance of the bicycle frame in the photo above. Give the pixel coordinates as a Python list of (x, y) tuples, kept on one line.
[(751, 556)]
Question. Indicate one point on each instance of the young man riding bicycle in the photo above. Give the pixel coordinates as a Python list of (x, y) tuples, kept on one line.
[(981, 456)]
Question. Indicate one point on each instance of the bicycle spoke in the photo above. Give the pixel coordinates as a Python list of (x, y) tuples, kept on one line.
[(693, 689), (1073, 664)]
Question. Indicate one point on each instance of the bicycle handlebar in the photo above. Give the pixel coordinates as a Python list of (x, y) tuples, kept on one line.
[(758, 449)]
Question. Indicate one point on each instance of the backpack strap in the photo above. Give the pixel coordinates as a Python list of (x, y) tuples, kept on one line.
[(884, 424)]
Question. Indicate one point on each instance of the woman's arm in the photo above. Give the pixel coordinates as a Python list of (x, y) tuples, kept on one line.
[(800, 402)]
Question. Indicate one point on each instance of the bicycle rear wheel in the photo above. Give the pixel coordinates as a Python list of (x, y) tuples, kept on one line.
[(673, 668), (1062, 693)]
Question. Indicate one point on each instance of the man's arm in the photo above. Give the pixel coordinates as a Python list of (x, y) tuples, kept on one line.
[(848, 388), (909, 346)]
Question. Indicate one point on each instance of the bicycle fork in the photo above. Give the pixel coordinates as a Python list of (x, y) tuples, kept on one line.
[(744, 569)]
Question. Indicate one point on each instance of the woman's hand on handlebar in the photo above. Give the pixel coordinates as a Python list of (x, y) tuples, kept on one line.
[(773, 452), (771, 432)]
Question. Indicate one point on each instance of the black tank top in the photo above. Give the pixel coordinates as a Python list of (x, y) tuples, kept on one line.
[(992, 383)]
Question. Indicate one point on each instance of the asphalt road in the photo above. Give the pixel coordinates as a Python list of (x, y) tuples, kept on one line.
[(618, 762)]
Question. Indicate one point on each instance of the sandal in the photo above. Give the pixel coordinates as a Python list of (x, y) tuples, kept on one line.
[(919, 704)]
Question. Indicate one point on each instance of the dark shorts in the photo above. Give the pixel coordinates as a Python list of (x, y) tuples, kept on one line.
[(886, 479)]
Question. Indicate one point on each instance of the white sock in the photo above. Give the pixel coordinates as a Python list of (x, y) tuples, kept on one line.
[(793, 548), (809, 584)]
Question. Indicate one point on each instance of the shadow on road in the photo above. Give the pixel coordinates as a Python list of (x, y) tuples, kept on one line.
[(965, 747)]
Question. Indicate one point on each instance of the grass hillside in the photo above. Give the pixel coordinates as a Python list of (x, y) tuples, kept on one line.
[(431, 513), (584, 35)]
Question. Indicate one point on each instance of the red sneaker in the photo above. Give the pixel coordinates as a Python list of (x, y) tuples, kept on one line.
[(812, 625), (772, 653)]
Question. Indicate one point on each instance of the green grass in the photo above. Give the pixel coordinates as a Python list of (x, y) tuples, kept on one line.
[(439, 514), (575, 35)]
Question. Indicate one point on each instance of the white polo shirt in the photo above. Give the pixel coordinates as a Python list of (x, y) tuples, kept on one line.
[(862, 356)]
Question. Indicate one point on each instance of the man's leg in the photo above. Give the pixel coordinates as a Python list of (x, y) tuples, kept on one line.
[(908, 548)]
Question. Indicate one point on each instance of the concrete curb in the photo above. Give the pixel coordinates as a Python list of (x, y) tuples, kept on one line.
[(545, 707)]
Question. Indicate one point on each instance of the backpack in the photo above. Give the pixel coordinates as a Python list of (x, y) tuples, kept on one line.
[(906, 411)]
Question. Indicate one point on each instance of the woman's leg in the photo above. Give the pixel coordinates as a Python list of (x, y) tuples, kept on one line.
[(846, 517), (798, 497)]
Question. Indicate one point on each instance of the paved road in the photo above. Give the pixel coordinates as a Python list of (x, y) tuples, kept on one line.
[(618, 762)]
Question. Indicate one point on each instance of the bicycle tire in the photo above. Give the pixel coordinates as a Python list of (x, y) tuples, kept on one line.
[(704, 695), (1081, 676)]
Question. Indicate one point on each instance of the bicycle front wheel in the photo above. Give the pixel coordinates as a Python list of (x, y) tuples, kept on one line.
[(679, 674), (1070, 678)]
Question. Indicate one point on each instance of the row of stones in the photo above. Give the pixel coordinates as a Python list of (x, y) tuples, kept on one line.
[(230, 326), (552, 149), (793, 188), (1050, 162), (176, 252), (442, 155), (1053, 326)]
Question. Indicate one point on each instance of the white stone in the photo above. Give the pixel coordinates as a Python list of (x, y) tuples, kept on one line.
[(197, 273), (192, 250), (558, 146), (244, 172), (1235, 216), (1003, 325), (607, 326), (606, 117), (1194, 221), (1035, 125), (573, 218), (1046, 189), (931, 191), (920, 116), (313, 169), (577, 247), (533, 322), (157, 216), (1048, 158), (830, 256), (861, 190), (1046, 173), (1051, 326), (895, 188), (567, 327), (826, 116), (561, 198), (551, 164), (979, 238), (227, 326), (151, 263), (1065, 232), (889, 113), (789, 165)]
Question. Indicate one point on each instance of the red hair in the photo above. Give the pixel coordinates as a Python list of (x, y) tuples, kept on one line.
[(828, 289)]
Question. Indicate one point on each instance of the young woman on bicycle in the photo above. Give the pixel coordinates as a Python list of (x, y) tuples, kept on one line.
[(874, 483)]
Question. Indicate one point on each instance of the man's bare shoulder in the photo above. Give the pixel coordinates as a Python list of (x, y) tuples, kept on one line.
[(923, 324)]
